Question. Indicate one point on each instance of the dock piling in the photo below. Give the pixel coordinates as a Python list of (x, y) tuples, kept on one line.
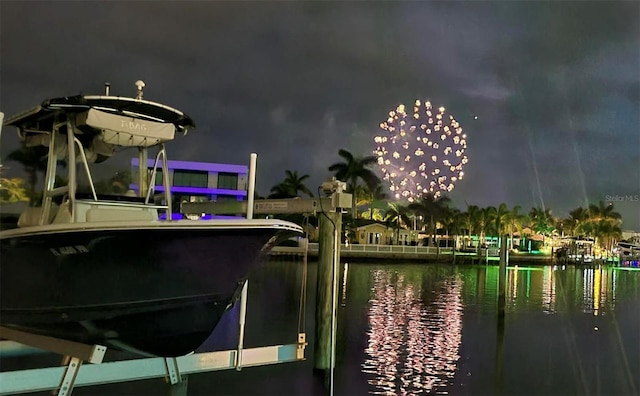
[(502, 275), (328, 260)]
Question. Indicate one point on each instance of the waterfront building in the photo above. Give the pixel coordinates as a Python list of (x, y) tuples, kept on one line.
[(370, 232), (198, 181)]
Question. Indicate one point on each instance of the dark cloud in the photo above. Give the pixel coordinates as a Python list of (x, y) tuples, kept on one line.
[(555, 85)]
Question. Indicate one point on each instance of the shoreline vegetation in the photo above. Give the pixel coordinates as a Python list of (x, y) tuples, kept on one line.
[(424, 255), (429, 220)]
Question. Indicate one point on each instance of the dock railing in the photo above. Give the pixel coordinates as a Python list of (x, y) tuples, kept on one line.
[(362, 250)]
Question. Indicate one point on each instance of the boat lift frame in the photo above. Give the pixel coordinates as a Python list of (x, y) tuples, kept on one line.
[(64, 378)]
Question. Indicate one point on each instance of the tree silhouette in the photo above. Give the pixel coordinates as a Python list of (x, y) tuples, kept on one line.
[(12, 190), (352, 170), (398, 215), (33, 160), (431, 209), (291, 186)]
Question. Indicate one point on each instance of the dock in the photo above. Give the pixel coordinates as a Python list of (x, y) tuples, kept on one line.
[(363, 252)]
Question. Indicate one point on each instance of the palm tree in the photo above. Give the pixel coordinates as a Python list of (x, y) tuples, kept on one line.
[(604, 223), (474, 215), (484, 220), (33, 160), (577, 219), (398, 215), (366, 195), (454, 222), (542, 221), (12, 190), (563, 226), (607, 233), (466, 223), (516, 222), (432, 209), (290, 186), (604, 212), (352, 170), (501, 219)]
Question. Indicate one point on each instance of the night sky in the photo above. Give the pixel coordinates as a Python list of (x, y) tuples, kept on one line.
[(555, 85)]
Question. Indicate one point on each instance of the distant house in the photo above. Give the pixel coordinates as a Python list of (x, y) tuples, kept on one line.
[(371, 232)]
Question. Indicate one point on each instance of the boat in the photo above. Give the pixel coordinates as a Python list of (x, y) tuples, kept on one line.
[(107, 269), (628, 254), (628, 248)]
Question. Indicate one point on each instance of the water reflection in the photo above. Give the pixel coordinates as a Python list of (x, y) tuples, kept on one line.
[(549, 290), (414, 332), (562, 318), (552, 289)]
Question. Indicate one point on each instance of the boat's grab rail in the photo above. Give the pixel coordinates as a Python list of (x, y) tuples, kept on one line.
[(139, 205), (57, 191)]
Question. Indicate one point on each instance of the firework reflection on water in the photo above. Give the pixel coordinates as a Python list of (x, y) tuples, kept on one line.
[(413, 345)]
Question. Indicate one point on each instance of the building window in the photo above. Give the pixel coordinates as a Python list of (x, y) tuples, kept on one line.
[(158, 179), (228, 181), (190, 178)]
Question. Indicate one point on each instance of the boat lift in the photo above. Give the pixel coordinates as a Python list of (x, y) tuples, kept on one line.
[(63, 379)]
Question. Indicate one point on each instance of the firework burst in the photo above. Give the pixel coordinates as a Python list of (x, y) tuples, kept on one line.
[(421, 153)]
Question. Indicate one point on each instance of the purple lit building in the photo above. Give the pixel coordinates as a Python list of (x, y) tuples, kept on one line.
[(199, 181)]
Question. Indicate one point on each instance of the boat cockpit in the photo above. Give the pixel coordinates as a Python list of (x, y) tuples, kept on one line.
[(81, 130)]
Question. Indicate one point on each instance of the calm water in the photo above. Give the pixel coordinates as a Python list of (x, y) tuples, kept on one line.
[(412, 328)]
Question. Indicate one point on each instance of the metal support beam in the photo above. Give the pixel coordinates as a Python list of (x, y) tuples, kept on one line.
[(88, 353), (173, 373), (271, 206), (35, 380), (69, 378)]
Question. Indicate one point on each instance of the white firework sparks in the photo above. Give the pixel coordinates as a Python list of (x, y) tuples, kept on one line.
[(421, 153)]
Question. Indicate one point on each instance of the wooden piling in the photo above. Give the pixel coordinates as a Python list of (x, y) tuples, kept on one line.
[(499, 374), (328, 266), (502, 275)]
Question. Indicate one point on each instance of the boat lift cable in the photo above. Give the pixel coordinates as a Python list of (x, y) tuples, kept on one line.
[(334, 287), (1, 124), (302, 314)]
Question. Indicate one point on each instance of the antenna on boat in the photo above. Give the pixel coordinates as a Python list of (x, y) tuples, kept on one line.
[(139, 85), (107, 86)]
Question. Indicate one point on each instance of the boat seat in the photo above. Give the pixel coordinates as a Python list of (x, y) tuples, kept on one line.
[(64, 214), (31, 216)]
